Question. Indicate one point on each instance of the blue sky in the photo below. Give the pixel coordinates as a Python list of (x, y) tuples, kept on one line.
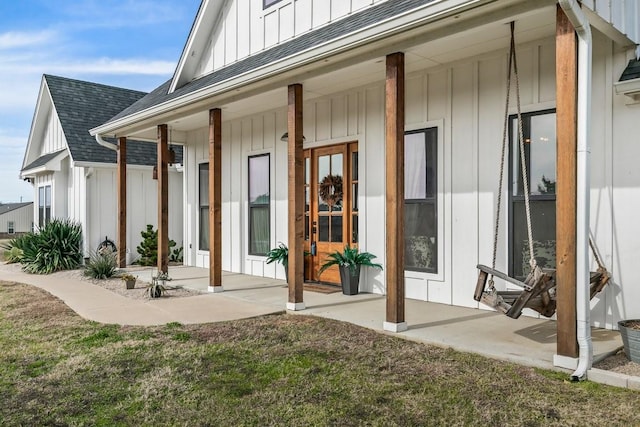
[(134, 44)]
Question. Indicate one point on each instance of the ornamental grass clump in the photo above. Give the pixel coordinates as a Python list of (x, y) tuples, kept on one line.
[(13, 249), (56, 246), (101, 264)]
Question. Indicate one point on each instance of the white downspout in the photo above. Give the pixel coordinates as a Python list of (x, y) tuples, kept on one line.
[(106, 144), (583, 307)]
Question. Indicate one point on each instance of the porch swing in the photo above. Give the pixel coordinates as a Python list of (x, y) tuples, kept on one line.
[(538, 288)]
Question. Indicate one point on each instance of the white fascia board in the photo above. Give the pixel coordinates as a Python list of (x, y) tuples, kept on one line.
[(96, 165), (629, 88), (227, 90), (197, 40), (36, 114)]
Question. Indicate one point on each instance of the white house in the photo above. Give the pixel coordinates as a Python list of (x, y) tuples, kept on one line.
[(15, 219), (74, 177), (402, 104)]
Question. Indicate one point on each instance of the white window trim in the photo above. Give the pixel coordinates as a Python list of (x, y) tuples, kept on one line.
[(245, 203), (423, 275)]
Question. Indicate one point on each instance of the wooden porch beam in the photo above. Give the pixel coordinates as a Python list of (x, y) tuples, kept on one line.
[(122, 202), (296, 199), (566, 198), (394, 147), (163, 199), (215, 200)]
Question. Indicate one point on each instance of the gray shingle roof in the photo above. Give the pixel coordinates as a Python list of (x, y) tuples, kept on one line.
[(42, 160), (8, 207), (342, 27), (632, 71), (84, 105)]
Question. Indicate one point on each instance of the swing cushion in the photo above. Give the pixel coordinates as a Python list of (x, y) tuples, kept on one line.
[(544, 252)]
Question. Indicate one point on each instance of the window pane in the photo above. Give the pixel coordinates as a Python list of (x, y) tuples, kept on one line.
[(323, 229), (204, 184), (307, 171), (354, 197), (47, 196), (204, 229), (421, 236), (267, 3), (306, 227), (543, 222), (259, 205), (354, 229), (259, 179), (542, 168), (336, 228), (354, 166), (432, 161), (259, 238), (415, 166)]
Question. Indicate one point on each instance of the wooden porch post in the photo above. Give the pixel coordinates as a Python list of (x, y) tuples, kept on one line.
[(215, 200), (122, 202), (566, 198), (163, 199), (296, 200), (394, 111)]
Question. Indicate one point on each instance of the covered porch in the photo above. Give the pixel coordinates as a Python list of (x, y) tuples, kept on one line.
[(528, 341)]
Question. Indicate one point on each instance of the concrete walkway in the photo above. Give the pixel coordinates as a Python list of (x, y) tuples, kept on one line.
[(527, 341)]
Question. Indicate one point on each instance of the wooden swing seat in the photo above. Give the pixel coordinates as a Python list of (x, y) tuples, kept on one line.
[(539, 295)]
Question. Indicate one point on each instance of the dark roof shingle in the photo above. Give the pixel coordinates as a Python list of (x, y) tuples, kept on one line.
[(84, 105), (42, 160), (632, 71), (8, 207), (332, 31)]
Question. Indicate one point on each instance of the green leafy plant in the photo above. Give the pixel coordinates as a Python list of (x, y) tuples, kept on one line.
[(128, 277), (13, 249), (176, 255), (148, 248), (351, 258), (101, 265), (56, 246), (279, 254)]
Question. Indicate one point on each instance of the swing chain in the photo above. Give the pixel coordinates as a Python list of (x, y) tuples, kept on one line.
[(513, 65)]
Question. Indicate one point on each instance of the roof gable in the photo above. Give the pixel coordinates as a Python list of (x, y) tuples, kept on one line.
[(307, 41), (81, 106)]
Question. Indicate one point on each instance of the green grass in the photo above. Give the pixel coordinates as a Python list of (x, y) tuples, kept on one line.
[(58, 369)]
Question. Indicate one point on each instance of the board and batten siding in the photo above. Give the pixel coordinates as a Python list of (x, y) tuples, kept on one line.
[(142, 206), (465, 101), (53, 139), (245, 28)]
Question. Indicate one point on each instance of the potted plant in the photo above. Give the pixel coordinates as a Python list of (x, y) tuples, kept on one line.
[(280, 254), (349, 262), (129, 280), (630, 333)]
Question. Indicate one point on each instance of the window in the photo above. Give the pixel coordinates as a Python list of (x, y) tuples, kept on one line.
[(259, 205), (11, 228), (420, 204), (539, 133), (269, 3), (44, 205), (203, 200)]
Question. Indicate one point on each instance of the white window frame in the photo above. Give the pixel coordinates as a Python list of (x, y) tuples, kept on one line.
[(11, 227), (440, 200)]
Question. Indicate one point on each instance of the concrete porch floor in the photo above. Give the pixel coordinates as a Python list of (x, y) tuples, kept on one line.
[(526, 340)]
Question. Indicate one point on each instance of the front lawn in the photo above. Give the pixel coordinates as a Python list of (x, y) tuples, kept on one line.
[(58, 369)]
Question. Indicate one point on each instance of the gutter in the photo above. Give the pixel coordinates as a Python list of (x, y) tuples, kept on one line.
[(106, 144), (583, 307)]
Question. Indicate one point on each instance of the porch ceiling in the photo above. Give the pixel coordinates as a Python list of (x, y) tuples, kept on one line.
[(419, 55)]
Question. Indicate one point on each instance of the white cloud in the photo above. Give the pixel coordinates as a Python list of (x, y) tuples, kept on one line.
[(16, 39)]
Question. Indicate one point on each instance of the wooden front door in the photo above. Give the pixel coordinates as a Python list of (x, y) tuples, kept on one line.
[(331, 187)]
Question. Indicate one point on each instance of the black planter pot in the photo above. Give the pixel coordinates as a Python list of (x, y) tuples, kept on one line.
[(630, 339), (350, 279)]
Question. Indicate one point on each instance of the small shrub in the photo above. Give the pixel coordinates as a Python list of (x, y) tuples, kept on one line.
[(55, 247), (176, 254), (13, 255), (101, 265), (148, 248)]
